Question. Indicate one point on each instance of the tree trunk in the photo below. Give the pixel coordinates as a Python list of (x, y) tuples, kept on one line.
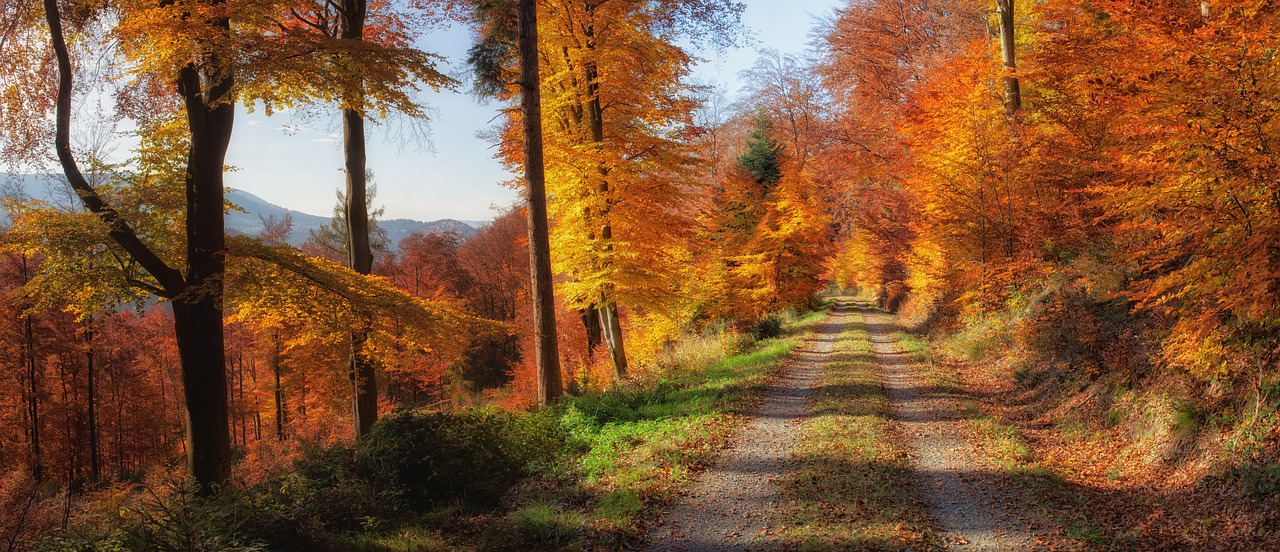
[(33, 398), (359, 253), (546, 354), (204, 382), (609, 323), (613, 338), (197, 296), (279, 393), (91, 372), (197, 309), (1012, 93), (591, 323)]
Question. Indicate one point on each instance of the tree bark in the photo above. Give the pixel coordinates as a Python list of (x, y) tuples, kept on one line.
[(1012, 92), (591, 323), (279, 392), (610, 325), (33, 398), (198, 308), (197, 295), (546, 354), (359, 253)]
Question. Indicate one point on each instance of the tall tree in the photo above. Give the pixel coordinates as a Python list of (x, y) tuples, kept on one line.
[(546, 356), (365, 52), (359, 254), (204, 83), (509, 35), (618, 155)]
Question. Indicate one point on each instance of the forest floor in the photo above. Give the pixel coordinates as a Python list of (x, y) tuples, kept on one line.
[(857, 444)]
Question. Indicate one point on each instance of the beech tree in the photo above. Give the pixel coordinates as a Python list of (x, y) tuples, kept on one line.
[(203, 81), (509, 35)]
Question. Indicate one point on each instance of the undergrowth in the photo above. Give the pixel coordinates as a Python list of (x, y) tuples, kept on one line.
[(587, 472), (1152, 432), (638, 446)]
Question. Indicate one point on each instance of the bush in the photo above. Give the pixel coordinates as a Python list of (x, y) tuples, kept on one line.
[(767, 327), (1090, 336), (165, 514), (325, 493), (410, 463), (432, 458)]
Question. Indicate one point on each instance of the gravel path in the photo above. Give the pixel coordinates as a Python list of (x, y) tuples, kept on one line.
[(962, 491), (733, 503)]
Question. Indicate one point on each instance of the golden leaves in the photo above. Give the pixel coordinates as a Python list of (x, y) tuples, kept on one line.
[(276, 285)]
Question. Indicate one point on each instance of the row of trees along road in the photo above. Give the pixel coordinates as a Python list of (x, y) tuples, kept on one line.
[(671, 210)]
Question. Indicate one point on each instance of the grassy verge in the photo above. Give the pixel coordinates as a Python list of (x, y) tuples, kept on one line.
[(853, 488), (635, 449)]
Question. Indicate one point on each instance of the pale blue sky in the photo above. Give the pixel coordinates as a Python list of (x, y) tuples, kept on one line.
[(460, 179)]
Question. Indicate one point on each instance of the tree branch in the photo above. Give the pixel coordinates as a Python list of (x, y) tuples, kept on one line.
[(170, 279)]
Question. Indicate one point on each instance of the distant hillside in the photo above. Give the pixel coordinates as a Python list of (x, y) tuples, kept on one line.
[(259, 209), (252, 211)]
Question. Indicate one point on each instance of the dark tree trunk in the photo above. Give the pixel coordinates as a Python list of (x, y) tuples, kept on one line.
[(197, 295), (198, 308), (591, 323), (204, 383), (546, 354), (359, 253), (279, 392), (33, 397)]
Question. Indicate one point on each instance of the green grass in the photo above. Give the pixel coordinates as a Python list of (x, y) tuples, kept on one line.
[(854, 487), (635, 448)]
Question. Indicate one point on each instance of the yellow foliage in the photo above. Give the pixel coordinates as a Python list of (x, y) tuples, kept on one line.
[(274, 286)]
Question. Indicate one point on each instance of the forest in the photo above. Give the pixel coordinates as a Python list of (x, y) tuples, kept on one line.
[(1057, 221)]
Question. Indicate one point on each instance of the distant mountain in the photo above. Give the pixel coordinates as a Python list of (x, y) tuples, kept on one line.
[(252, 211), (256, 210)]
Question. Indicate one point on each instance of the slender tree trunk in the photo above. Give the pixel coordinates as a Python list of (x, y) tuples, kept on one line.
[(91, 372), (546, 354), (279, 392), (610, 325), (1012, 93), (359, 252), (33, 398)]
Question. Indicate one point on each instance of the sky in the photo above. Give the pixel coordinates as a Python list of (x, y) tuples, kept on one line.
[(297, 164)]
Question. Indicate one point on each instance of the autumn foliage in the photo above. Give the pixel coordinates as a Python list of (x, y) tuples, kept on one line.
[(1128, 207)]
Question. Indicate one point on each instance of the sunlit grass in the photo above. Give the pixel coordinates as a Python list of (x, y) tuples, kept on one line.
[(638, 445)]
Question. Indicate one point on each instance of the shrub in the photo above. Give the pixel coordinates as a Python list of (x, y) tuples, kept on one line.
[(412, 462), (432, 458), (767, 327), (1086, 334)]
